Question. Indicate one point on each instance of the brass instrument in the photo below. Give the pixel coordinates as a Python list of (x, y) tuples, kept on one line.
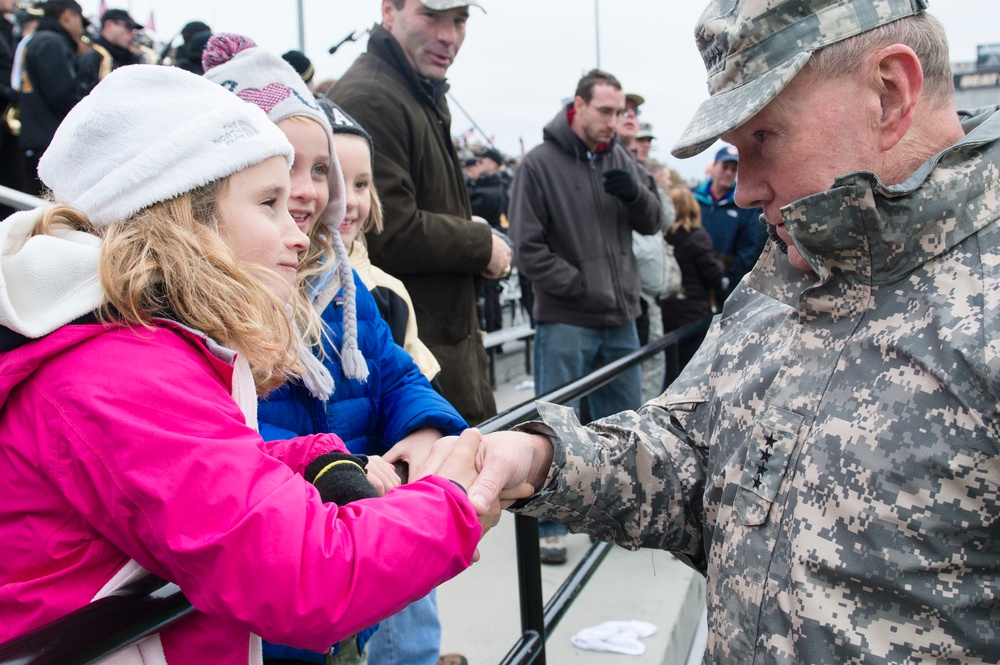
[(12, 114), (149, 55), (106, 61), (12, 118)]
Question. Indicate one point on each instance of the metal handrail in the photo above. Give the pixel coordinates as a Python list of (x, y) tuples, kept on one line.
[(538, 621), (98, 630), (19, 200)]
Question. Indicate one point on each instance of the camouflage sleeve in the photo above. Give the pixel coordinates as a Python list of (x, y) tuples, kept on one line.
[(634, 478)]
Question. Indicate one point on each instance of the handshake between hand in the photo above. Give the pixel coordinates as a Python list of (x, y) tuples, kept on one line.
[(496, 470)]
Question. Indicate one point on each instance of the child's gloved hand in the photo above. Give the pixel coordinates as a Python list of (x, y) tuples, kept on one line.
[(340, 478)]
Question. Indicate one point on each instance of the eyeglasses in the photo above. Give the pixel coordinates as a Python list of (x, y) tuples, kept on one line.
[(632, 111)]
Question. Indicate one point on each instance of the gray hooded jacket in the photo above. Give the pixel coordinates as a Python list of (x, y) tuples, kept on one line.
[(571, 238)]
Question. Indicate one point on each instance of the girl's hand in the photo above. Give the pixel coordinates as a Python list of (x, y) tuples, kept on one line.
[(381, 474)]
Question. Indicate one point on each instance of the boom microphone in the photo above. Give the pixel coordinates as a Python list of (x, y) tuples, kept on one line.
[(353, 36)]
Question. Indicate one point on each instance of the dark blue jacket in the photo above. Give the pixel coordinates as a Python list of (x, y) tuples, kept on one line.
[(372, 416), (735, 231)]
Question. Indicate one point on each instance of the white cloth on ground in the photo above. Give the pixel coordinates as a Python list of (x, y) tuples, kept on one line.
[(615, 636)]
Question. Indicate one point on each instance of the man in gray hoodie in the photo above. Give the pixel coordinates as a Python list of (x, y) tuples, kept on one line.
[(575, 201)]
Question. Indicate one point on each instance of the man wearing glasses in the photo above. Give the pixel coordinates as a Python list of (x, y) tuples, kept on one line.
[(574, 203)]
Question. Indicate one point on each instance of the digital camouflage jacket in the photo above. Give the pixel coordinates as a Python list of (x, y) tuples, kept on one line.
[(831, 457)]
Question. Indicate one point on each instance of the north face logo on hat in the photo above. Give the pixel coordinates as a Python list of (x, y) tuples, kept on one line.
[(235, 131)]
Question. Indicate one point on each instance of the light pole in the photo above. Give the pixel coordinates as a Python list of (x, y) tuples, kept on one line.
[(302, 29), (597, 32)]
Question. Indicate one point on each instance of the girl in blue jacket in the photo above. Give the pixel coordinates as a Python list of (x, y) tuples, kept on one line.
[(385, 402)]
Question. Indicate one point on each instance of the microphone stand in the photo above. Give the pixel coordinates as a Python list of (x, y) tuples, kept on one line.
[(353, 36)]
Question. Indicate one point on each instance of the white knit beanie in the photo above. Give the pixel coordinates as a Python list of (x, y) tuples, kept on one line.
[(263, 79), (146, 134)]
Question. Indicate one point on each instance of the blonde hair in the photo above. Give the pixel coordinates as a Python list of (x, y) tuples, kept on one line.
[(318, 259), (687, 212), (374, 221), (168, 260)]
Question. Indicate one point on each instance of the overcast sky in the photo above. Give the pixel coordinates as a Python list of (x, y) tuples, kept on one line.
[(523, 57)]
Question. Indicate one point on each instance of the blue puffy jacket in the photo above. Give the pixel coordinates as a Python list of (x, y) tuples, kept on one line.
[(737, 234), (370, 417)]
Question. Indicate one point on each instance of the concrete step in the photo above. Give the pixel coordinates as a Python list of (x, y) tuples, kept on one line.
[(480, 610)]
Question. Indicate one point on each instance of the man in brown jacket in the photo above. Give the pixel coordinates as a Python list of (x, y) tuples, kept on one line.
[(397, 91)]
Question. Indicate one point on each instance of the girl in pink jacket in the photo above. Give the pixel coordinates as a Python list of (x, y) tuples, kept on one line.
[(140, 316)]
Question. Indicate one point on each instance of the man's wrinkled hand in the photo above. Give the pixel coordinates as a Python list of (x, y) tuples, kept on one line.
[(512, 466), (500, 258)]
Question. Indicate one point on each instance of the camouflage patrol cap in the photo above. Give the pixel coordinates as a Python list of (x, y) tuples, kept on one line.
[(753, 48), (441, 5)]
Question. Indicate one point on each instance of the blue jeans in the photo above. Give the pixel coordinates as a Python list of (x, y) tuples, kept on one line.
[(413, 636), (565, 352)]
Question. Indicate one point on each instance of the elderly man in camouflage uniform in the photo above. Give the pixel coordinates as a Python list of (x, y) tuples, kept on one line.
[(831, 458)]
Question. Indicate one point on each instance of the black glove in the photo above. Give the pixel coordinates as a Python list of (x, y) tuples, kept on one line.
[(621, 183), (340, 478)]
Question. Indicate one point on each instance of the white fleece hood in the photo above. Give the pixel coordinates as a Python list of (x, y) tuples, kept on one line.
[(46, 281)]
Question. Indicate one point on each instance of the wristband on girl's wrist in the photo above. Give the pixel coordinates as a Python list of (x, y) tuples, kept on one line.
[(333, 464)]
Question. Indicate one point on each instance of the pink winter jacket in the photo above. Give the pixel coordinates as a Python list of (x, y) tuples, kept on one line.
[(119, 445)]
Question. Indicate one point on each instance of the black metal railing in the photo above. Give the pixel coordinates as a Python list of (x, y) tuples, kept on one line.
[(539, 619), (110, 624)]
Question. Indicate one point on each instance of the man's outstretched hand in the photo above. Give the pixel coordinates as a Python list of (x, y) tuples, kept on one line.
[(496, 470), (512, 466)]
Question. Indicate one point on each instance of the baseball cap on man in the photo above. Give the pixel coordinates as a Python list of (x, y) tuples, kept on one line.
[(752, 49), (728, 154), (441, 5), (120, 15), (301, 63), (645, 131), (57, 6), (26, 14), (635, 100), (492, 153), (193, 28)]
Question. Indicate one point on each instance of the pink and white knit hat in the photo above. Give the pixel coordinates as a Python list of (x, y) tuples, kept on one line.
[(269, 82)]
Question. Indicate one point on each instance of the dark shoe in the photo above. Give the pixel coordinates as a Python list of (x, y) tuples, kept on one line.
[(552, 549), (452, 659)]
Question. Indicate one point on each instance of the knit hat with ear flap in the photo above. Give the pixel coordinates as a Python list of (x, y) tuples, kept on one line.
[(266, 80)]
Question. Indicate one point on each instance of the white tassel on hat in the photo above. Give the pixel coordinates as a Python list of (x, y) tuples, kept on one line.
[(315, 376), (351, 358)]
